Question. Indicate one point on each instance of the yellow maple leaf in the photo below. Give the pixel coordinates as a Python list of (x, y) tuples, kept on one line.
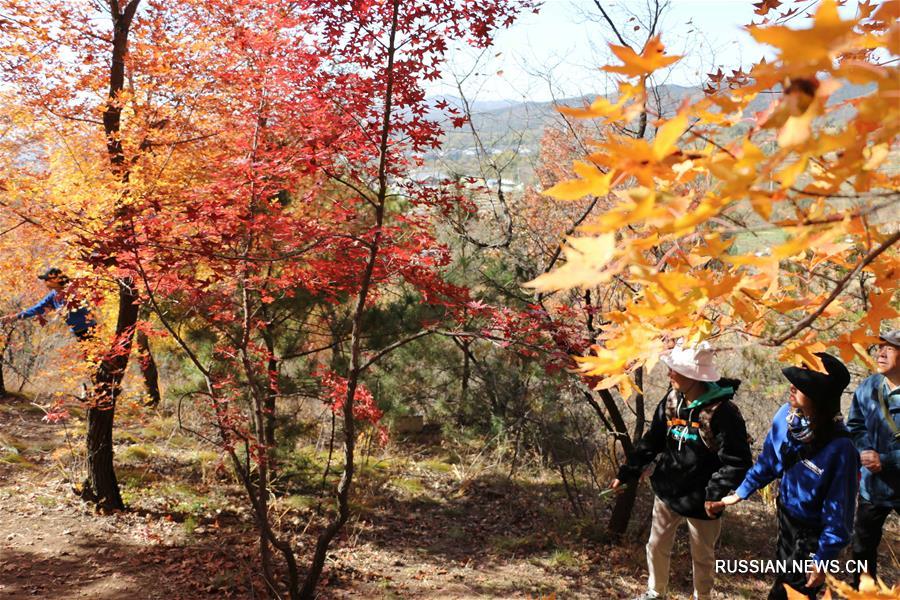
[(592, 182), (853, 344), (796, 130), (708, 207), (638, 65), (713, 245), (586, 262), (761, 203), (875, 155), (789, 174), (808, 50), (747, 311), (868, 589), (880, 310), (801, 241), (668, 134), (637, 205), (599, 108), (804, 352)]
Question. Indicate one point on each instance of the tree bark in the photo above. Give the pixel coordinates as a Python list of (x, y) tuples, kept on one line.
[(621, 512), (271, 392), (102, 486), (2, 361), (624, 506), (308, 591), (149, 369), (464, 385)]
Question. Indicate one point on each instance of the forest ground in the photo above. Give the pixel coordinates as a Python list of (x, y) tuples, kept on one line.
[(425, 527)]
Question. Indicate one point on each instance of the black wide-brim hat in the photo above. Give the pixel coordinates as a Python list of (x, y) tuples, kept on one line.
[(824, 389), (51, 273)]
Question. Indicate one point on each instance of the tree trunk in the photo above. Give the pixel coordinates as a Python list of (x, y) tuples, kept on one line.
[(624, 506), (308, 591), (2, 360), (464, 386), (621, 512), (148, 369), (271, 396), (101, 485)]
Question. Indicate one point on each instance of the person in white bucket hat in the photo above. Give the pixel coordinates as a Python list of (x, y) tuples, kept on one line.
[(694, 363), (699, 441)]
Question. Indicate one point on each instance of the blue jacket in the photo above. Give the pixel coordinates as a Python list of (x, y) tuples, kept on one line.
[(78, 317), (871, 431), (818, 489)]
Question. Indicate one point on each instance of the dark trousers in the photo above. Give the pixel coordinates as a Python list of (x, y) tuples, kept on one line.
[(84, 335), (867, 532), (796, 541)]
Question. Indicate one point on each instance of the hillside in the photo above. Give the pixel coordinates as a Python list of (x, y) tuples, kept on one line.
[(513, 130), (430, 523)]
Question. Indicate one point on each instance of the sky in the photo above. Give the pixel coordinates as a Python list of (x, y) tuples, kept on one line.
[(556, 52)]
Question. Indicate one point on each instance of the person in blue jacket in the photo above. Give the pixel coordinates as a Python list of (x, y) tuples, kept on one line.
[(874, 423), (810, 450), (78, 316)]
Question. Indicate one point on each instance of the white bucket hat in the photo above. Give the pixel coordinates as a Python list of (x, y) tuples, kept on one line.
[(695, 363)]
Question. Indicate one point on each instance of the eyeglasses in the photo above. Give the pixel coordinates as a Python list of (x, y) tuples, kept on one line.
[(875, 350)]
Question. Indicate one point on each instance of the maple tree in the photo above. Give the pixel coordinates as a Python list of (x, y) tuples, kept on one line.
[(574, 321), (71, 80), (681, 255), (237, 172), (254, 153)]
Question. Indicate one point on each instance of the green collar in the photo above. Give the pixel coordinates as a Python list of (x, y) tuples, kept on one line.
[(713, 392)]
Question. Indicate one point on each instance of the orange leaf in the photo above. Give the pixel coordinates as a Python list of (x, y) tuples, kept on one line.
[(880, 310), (668, 135), (593, 182), (651, 59)]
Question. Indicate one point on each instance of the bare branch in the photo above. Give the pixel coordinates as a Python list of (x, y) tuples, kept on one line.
[(611, 24), (810, 318), (391, 347)]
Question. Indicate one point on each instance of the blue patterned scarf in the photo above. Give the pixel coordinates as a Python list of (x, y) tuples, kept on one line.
[(799, 426)]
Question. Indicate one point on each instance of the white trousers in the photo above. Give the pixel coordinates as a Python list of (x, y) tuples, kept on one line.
[(703, 533)]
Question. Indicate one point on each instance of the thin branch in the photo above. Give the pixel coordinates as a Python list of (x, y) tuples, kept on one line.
[(810, 318), (391, 347), (611, 24), (14, 227)]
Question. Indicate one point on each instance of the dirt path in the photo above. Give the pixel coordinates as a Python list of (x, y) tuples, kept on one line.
[(53, 545), (422, 534)]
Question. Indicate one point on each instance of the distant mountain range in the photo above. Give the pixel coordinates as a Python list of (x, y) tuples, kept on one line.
[(527, 112), (509, 126)]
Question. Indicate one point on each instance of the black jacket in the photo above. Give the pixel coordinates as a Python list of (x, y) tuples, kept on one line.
[(701, 453)]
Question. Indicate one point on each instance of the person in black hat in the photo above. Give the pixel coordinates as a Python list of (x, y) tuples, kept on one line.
[(810, 450), (78, 316), (874, 423)]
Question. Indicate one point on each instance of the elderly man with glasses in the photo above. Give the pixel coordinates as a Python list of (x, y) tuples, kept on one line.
[(874, 423)]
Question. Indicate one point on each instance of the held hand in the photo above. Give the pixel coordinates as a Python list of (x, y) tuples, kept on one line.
[(870, 460), (713, 508), (617, 486), (815, 578), (731, 500)]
